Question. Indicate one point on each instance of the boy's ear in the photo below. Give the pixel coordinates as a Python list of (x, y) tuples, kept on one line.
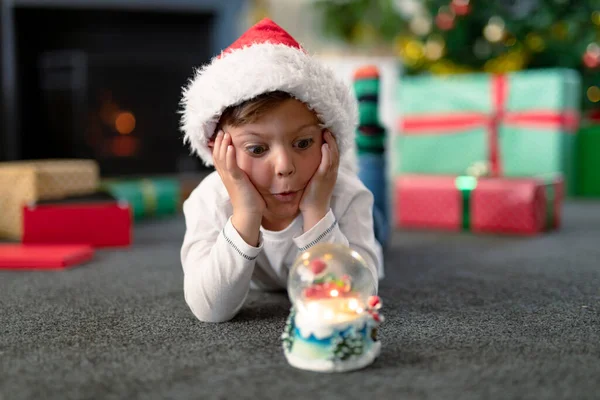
[(211, 141)]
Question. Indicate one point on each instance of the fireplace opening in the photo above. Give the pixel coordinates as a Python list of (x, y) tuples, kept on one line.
[(106, 84)]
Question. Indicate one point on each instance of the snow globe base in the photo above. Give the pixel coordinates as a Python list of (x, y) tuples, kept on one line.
[(341, 348)]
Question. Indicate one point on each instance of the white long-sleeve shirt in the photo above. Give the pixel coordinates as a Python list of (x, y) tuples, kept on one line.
[(220, 267)]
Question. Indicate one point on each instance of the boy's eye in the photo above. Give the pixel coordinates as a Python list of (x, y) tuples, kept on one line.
[(256, 150), (304, 143)]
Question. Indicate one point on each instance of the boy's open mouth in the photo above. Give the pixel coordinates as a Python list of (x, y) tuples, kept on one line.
[(286, 196)]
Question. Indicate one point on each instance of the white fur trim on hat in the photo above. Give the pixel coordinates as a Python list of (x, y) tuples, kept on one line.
[(245, 73)]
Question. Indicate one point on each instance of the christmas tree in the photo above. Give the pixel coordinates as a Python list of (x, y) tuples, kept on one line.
[(457, 36), (347, 346), (287, 337)]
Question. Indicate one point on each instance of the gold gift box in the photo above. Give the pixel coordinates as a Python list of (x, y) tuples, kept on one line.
[(23, 182)]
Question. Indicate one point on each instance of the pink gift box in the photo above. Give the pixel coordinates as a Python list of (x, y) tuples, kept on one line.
[(492, 205)]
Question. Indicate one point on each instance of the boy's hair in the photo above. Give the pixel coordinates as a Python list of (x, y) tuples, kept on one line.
[(251, 110)]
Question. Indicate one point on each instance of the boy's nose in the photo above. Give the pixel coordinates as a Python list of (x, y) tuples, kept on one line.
[(284, 164)]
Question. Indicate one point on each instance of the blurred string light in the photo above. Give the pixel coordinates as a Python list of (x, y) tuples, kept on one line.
[(494, 31), (535, 42), (591, 57), (460, 7), (434, 47), (560, 30), (408, 8), (411, 50), (421, 24), (125, 123), (510, 40), (593, 94), (445, 18), (596, 18)]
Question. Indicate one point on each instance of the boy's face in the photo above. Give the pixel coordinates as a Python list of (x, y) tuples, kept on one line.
[(280, 153)]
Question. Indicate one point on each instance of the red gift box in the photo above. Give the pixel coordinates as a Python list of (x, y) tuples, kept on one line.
[(43, 257), (98, 221), (486, 205)]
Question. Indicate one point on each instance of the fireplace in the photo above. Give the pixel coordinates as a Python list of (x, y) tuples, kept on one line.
[(105, 83)]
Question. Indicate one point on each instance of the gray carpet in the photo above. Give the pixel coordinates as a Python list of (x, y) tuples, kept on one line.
[(467, 317)]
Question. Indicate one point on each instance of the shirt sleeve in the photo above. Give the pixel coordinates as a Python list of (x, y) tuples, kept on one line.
[(217, 263), (352, 228)]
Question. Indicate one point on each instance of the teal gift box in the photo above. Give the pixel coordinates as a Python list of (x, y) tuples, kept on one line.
[(521, 124), (148, 197)]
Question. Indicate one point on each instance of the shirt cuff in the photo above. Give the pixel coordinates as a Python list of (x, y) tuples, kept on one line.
[(239, 245), (317, 233)]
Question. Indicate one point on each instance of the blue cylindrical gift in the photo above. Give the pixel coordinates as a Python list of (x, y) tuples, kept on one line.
[(372, 172)]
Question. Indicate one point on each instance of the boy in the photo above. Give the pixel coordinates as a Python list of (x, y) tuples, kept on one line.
[(279, 129)]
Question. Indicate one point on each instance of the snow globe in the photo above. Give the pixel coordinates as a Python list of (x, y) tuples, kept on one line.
[(333, 322)]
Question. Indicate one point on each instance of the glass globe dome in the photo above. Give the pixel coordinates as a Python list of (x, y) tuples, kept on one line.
[(330, 283)]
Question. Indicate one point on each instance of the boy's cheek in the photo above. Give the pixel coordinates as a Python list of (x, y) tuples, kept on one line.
[(243, 160)]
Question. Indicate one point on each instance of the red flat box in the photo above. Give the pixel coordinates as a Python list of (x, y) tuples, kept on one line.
[(524, 206), (43, 257), (98, 221)]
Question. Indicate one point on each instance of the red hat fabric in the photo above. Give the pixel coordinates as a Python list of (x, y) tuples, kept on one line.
[(265, 58), (266, 31)]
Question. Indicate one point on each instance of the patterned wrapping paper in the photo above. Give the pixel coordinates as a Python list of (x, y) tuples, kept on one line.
[(23, 182), (524, 206), (522, 123)]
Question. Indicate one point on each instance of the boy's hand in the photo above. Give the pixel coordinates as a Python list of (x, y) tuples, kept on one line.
[(316, 199), (248, 204)]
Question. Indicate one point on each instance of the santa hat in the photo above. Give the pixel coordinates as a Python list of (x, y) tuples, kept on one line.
[(266, 58)]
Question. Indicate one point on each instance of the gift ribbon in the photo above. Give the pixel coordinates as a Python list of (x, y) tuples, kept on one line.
[(466, 185), (550, 205), (148, 196), (451, 123)]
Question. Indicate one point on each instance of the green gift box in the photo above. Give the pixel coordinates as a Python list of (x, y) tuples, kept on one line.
[(588, 160), (521, 124), (147, 196)]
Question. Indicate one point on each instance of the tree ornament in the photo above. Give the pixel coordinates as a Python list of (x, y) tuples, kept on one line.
[(594, 113), (593, 95), (591, 57), (445, 18), (460, 7)]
